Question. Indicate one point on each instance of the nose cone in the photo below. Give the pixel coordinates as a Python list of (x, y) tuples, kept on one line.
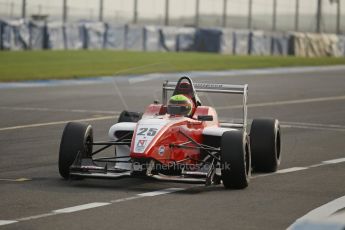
[(147, 131)]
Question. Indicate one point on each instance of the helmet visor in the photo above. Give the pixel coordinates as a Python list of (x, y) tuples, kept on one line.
[(179, 109)]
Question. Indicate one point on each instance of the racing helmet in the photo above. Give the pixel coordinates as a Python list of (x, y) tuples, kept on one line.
[(180, 105)]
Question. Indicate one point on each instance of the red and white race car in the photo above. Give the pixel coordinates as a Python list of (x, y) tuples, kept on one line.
[(162, 144)]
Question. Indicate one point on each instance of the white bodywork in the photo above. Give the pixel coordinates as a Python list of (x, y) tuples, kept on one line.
[(142, 140), (146, 131), (122, 150), (122, 126), (216, 131)]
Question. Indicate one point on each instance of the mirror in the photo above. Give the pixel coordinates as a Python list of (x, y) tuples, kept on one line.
[(205, 118)]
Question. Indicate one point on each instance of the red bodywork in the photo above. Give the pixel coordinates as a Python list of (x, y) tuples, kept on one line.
[(170, 134)]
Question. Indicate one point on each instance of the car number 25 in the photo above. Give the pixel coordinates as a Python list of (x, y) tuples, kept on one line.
[(147, 131)]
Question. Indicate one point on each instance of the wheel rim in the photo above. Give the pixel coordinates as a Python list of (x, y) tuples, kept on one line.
[(247, 159), (88, 146), (278, 143)]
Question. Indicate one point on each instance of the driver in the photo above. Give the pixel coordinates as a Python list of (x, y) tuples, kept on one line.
[(180, 105)]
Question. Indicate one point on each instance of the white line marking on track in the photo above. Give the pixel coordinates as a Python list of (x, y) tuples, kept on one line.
[(293, 169), (56, 123), (57, 110), (274, 103), (292, 124), (151, 194), (315, 124), (335, 161), (37, 216), (81, 207), (313, 128), (16, 180), (125, 199), (288, 102), (328, 127), (161, 192), (5, 222), (316, 165)]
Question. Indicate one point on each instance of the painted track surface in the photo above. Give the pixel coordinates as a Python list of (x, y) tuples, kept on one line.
[(310, 105)]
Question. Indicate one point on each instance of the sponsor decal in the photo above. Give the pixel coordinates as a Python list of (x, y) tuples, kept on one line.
[(141, 143), (206, 85), (161, 150), (146, 131)]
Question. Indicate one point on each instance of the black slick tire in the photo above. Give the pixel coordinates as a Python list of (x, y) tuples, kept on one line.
[(265, 142), (76, 138), (235, 160)]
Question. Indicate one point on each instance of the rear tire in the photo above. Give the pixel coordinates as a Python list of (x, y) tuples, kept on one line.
[(76, 138), (235, 160), (265, 145)]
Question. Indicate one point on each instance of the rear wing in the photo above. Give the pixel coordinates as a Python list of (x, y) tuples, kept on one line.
[(215, 88)]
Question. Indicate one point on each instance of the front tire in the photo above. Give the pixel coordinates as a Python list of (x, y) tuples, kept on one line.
[(265, 145), (76, 138), (235, 160)]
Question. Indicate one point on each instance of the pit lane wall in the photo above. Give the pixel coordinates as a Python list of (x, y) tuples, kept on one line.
[(29, 35)]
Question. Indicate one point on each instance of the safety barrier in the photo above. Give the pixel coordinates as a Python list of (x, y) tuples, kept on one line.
[(29, 35)]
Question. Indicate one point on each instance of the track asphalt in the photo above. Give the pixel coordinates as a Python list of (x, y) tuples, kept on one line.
[(309, 104)]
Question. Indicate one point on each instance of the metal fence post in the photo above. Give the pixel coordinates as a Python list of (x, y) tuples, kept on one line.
[(100, 18), (11, 9), (166, 21), (274, 16), (64, 11), (24, 9), (319, 16), (338, 16), (297, 16), (250, 9), (135, 12), (225, 4), (197, 8)]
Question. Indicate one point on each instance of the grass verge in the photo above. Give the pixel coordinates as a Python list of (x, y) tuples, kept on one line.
[(40, 65)]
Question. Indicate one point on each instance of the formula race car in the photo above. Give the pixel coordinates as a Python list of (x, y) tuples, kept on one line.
[(180, 140)]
